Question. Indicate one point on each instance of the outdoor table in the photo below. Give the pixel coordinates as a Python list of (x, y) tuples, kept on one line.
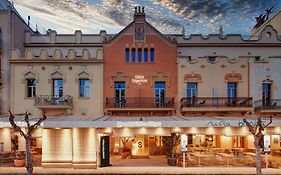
[(227, 156), (199, 156)]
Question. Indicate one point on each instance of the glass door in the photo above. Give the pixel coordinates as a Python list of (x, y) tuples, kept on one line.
[(159, 94), (191, 93), (119, 94)]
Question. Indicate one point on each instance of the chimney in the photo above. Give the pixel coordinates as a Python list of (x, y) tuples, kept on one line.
[(139, 15)]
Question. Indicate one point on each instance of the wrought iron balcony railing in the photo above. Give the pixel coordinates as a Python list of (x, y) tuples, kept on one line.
[(268, 104), (53, 101), (139, 103), (203, 102)]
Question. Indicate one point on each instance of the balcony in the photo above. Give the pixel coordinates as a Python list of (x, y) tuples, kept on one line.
[(139, 104), (216, 104), (268, 106), (49, 101)]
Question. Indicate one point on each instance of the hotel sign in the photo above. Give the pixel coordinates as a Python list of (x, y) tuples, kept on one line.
[(225, 123), (136, 124), (139, 79)]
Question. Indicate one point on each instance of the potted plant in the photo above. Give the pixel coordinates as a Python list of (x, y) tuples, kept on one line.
[(19, 160), (170, 143)]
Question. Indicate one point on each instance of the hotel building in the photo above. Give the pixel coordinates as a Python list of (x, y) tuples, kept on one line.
[(124, 92)]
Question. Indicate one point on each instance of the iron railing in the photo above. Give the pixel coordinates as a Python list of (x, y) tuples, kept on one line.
[(204, 102), (50, 100), (268, 104), (139, 103)]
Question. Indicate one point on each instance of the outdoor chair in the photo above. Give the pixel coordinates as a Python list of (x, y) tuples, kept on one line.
[(191, 160), (218, 160), (203, 102)]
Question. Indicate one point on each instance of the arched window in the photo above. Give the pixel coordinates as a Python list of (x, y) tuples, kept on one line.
[(127, 55), (145, 55), (152, 55), (139, 55), (133, 55)]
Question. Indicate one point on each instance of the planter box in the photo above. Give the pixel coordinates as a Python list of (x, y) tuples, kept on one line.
[(19, 162)]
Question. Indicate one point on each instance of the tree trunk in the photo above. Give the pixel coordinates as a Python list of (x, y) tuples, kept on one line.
[(29, 166), (258, 156)]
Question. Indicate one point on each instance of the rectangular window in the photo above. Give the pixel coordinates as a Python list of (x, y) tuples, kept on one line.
[(231, 90), (139, 55), (159, 92), (58, 87), (191, 90), (266, 94), (152, 55), (145, 55), (127, 52), (31, 87), (133, 55), (120, 93), (84, 88)]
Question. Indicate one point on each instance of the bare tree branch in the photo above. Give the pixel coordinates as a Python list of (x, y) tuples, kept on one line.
[(14, 125), (26, 119), (270, 121)]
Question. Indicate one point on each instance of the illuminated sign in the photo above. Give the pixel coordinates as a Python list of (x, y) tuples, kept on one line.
[(138, 124), (183, 143), (139, 79), (266, 143)]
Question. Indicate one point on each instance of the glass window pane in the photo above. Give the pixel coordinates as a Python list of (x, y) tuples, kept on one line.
[(145, 55), (139, 55), (152, 55), (84, 88), (31, 88), (133, 55), (127, 55)]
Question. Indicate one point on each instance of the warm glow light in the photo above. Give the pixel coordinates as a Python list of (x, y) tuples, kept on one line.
[(210, 131), (277, 130)]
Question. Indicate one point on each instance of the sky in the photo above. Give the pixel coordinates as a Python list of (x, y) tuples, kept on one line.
[(168, 16)]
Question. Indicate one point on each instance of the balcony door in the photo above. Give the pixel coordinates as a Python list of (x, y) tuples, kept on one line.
[(58, 88), (266, 94), (159, 93), (231, 93), (120, 94), (191, 93)]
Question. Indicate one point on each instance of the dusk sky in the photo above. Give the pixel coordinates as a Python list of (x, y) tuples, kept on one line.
[(196, 16)]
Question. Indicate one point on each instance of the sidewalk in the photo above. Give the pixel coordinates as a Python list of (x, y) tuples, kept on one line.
[(143, 170)]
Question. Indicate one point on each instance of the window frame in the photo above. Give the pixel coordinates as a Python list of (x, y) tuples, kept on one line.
[(85, 88), (33, 88)]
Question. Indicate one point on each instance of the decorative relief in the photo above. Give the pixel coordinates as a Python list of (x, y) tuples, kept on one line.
[(121, 77), (43, 54), (56, 74), (202, 66), (243, 66), (139, 32), (233, 77), (192, 78), (30, 74), (232, 60), (57, 54), (86, 54), (99, 54), (28, 54), (192, 60), (71, 54), (160, 77)]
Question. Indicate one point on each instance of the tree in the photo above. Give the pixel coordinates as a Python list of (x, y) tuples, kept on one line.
[(258, 137), (27, 136)]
